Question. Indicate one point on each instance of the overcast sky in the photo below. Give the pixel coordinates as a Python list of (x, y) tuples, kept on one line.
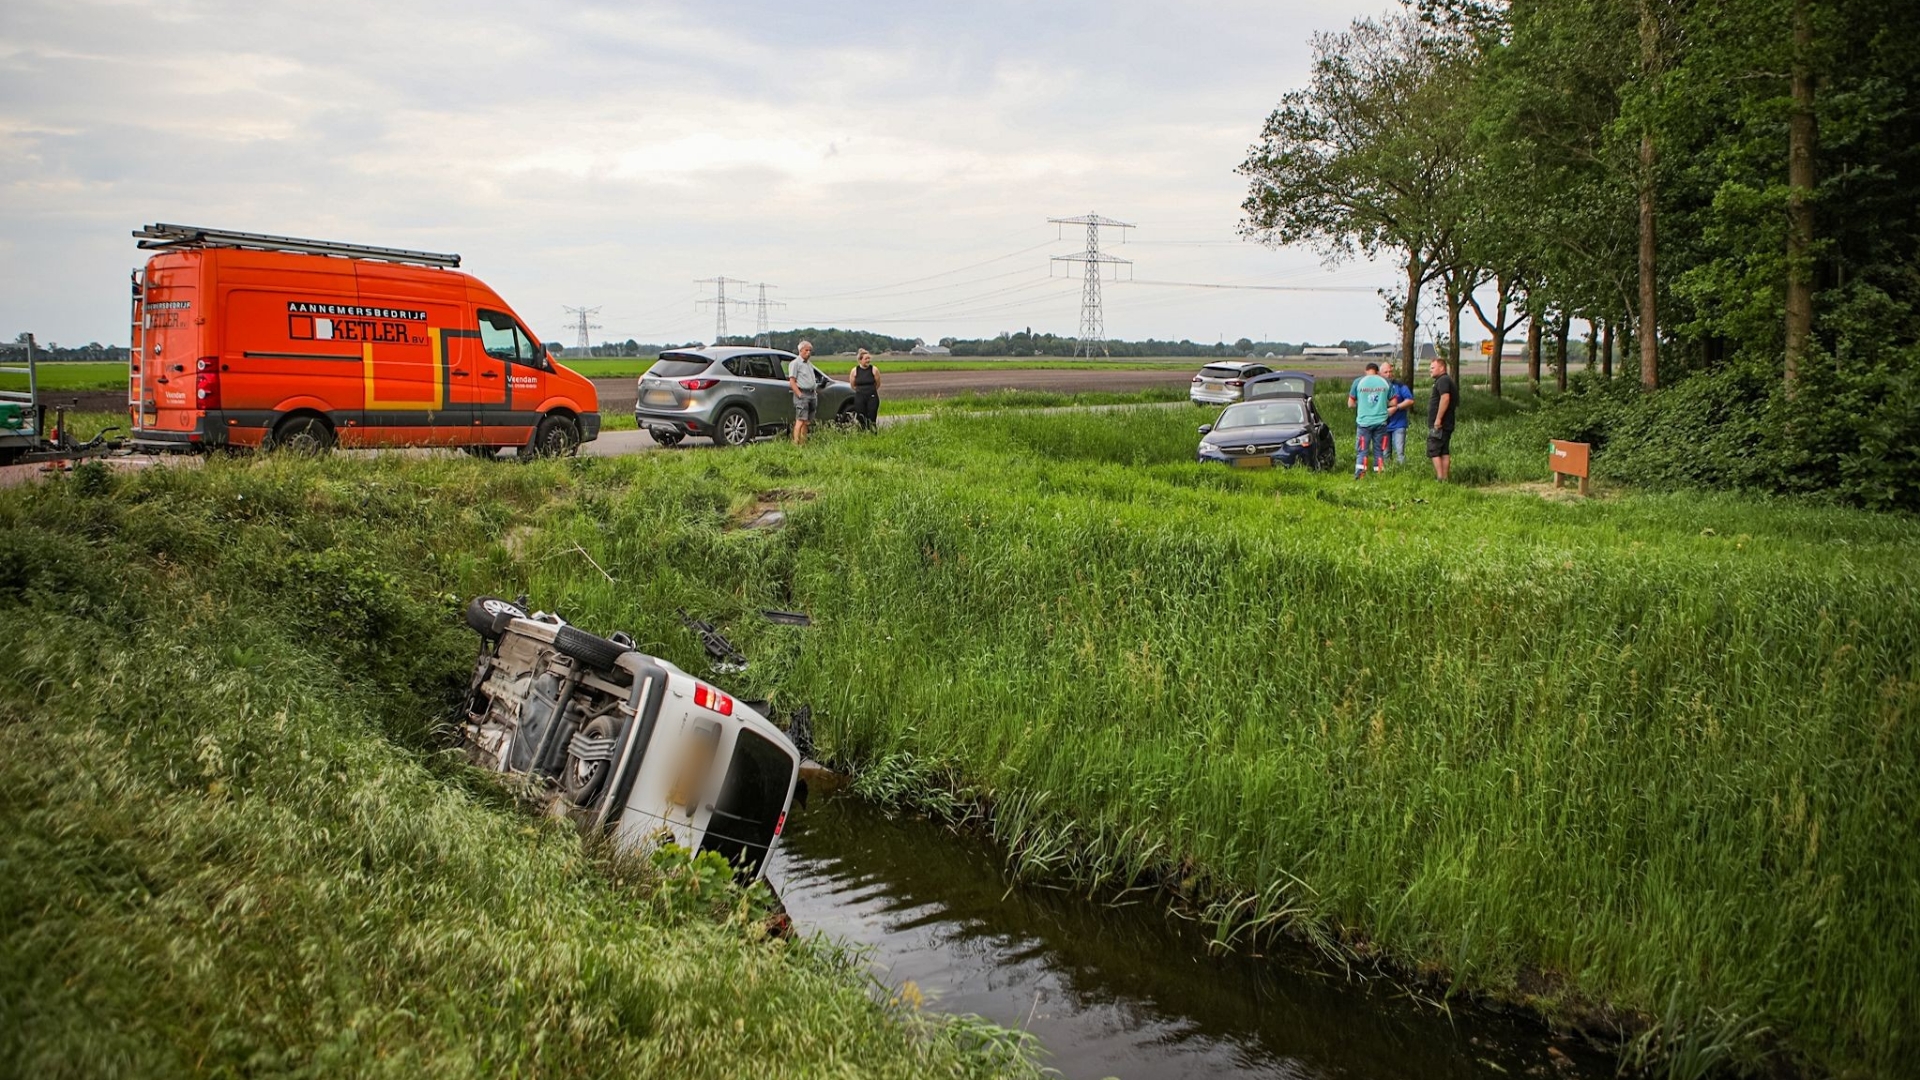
[(888, 166)]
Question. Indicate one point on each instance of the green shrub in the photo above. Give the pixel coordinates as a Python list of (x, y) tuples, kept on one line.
[(1851, 437)]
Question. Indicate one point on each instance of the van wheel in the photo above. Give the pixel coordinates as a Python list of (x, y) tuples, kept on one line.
[(557, 436), (845, 418), (665, 436), (302, 435), (590, 649), (485, 611), (734, 428), (583, 780)]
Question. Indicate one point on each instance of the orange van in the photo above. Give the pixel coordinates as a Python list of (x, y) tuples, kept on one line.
[(248, 340)]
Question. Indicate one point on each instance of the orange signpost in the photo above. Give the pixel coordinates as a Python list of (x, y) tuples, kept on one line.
[(1568, 459)]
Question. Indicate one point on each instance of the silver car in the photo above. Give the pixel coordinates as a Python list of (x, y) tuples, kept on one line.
[(1219, 383), (729, 394)]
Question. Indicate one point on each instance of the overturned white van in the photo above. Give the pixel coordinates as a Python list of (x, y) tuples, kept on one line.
[(629, 745)]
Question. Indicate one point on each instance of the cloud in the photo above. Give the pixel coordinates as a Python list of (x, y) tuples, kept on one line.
[(609, 154)]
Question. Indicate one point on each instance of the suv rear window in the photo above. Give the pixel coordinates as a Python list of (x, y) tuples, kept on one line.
[(678, 365), (1213, 372)]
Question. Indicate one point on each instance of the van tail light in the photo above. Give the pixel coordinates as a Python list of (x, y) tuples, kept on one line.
[(708, 698), (699, 384), (206, 388)]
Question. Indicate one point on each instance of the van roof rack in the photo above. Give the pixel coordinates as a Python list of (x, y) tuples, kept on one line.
[(162, 237)]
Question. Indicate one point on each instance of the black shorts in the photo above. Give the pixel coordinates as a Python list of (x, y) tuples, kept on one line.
[(1439, 442)]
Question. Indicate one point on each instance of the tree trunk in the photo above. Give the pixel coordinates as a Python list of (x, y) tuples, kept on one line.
[(1410, 315), (1606, 350), (1454, 304), (1497, 327), (1593, 343), (1533, 351), (1801, 134), (1560, 349), (1649, 320)]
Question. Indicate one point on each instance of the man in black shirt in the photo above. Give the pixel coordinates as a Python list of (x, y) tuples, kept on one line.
[(1445, 396)]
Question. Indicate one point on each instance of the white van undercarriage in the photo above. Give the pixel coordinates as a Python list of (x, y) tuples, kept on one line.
[(626, 744)]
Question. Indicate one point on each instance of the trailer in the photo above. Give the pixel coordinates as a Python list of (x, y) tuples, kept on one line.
[(25, 436)]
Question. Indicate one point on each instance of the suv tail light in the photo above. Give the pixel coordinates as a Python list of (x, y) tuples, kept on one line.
[(706, 696), (206, 384), (699, 384), (1199, 378), (1236, 383)]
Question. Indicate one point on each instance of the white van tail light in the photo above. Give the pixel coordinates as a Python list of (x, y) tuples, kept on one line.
[(708, 698)]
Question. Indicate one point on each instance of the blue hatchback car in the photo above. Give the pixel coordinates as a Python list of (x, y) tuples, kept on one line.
[(1275, 424)]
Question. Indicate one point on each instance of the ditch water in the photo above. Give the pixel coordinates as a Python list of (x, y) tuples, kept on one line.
[(1120, 991)]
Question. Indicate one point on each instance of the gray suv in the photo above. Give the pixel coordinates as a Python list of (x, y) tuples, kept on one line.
[(729, 394)]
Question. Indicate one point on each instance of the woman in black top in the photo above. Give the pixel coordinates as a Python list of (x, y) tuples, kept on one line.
[(866, 391)]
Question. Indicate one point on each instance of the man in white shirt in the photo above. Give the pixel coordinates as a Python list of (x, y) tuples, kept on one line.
[(805, 379)]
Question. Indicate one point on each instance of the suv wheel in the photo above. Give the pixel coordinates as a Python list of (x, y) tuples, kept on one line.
[(557, 436), (734, 428)]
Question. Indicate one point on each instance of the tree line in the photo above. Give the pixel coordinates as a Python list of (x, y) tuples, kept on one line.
[(1697, 180), (835, 342)]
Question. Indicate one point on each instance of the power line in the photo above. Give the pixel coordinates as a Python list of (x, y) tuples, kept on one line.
[(1092, 319), (931, 277), (1260, 288), (585, 340)]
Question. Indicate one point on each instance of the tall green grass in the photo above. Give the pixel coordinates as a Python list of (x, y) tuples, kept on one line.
[(1650, 760), (1658, 752), (233, 845)]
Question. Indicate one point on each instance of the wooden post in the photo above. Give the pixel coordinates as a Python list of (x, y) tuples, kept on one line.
[(1568, 459)]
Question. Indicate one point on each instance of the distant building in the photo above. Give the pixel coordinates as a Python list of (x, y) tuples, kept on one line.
[(932, 350), (1324, 350), (1423, 351)]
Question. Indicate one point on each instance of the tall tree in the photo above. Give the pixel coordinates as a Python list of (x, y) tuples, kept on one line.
[(1355, 162), (1801, 133), (1644, 192)]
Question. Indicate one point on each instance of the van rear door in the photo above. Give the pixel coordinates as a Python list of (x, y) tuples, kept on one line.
[(752, 806), (171, 333)]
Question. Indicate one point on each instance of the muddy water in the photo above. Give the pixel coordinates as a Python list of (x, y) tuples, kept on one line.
[(1125, 992)]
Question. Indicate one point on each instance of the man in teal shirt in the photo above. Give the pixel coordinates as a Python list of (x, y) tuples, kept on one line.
[(1369, 395)]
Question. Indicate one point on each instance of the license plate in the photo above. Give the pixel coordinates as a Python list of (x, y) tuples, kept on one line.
[(659, 397), (1213, 387), (1260, 462)]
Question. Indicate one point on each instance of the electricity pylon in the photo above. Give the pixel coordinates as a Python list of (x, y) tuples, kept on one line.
[(581, 324), (1093, 332), (760, 336), (720, 301)]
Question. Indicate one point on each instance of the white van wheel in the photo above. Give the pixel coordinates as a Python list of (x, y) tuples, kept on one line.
[(302, 435)]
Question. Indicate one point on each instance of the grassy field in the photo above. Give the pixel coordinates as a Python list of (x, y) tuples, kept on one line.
[(1649, 760), (102, 375), (234, 844)]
